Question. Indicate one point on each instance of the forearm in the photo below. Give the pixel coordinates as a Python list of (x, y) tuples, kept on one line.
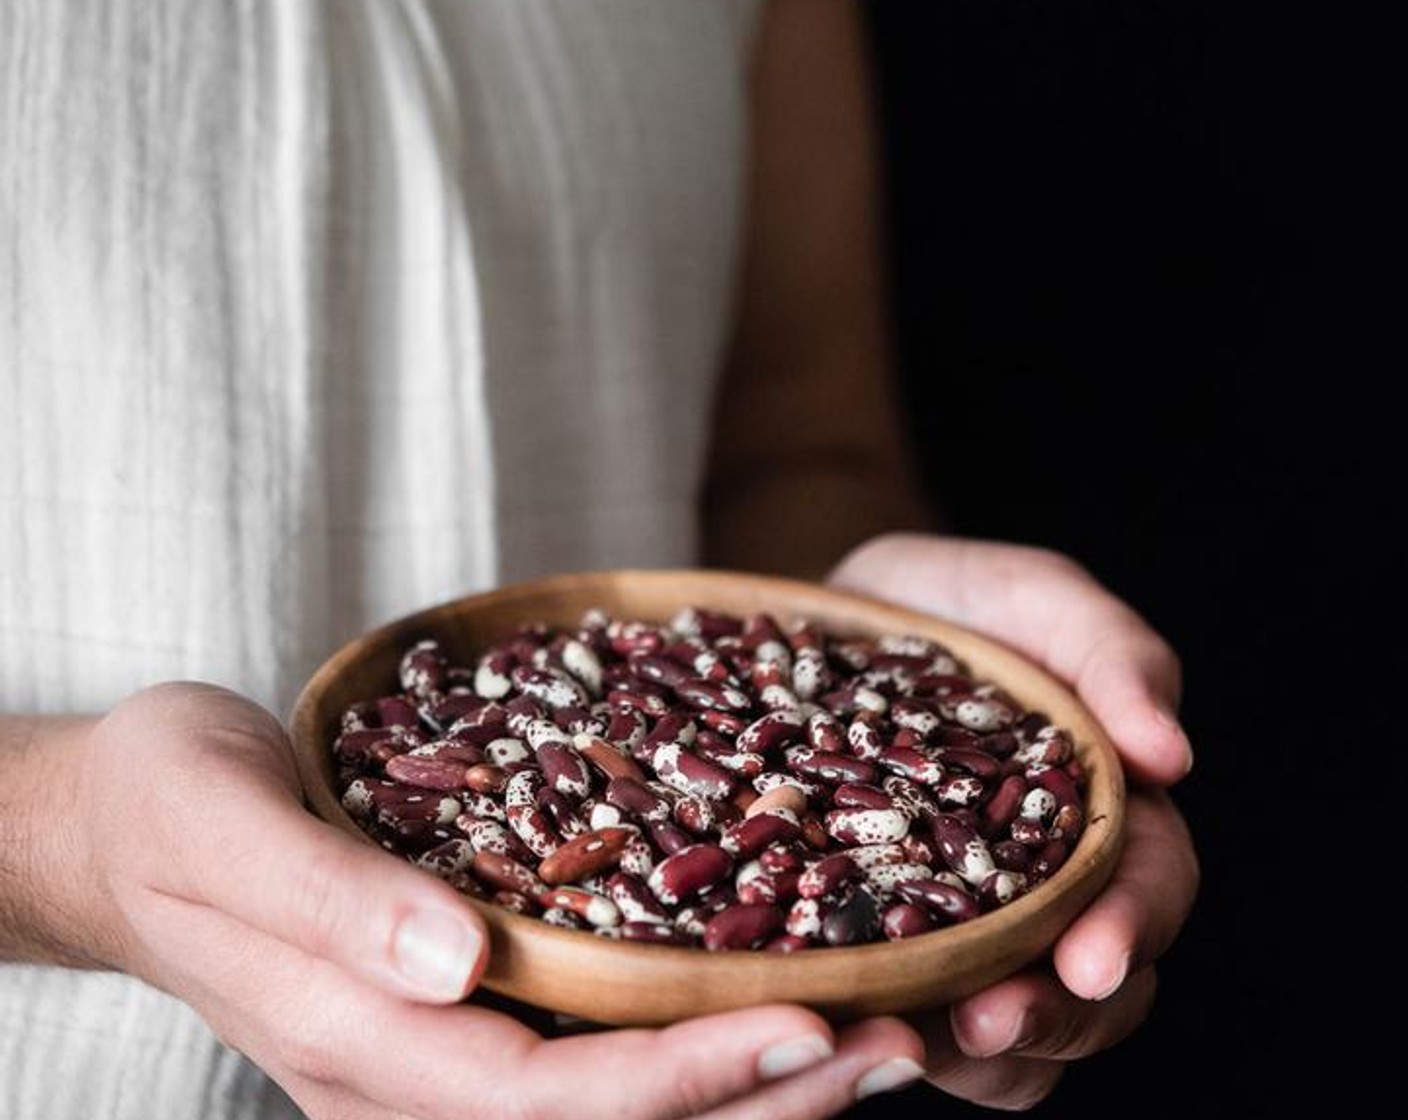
[(812, 455), (810, 449), (47, 899)]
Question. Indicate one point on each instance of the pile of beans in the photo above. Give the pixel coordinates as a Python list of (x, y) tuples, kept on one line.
[(721, 781)]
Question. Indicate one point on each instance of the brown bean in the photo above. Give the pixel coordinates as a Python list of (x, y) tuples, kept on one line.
[(592, 908), (426, 773), (589, 854), (504, 873), (485, 777), (787, 797)]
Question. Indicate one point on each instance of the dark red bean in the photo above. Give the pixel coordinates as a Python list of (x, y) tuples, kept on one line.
[(830, 766), (689, 871), (746, 838), (742, 926), (944, 900), (907, 919), (426, 773), (854, 921)]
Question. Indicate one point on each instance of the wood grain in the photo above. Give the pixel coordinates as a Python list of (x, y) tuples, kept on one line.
[(610, 982)]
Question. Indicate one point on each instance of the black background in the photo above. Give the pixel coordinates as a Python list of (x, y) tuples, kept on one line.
[(1143, 277)]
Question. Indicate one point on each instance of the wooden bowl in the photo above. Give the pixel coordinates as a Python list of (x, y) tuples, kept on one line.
[(580, 975)]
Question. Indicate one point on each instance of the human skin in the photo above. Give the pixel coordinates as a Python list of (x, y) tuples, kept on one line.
[(168, 838)]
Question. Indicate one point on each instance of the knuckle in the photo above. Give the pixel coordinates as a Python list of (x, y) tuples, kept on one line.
[(1049, 563), (315, 898), (538, 1063), (309, 1049), (691, 1090)]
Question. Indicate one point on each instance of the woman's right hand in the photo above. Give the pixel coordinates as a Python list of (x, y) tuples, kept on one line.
[(342, 971)]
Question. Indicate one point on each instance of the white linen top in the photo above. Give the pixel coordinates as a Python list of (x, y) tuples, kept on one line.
[(313, 312)]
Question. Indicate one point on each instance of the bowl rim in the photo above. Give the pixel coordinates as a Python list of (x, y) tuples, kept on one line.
[(536, 944)]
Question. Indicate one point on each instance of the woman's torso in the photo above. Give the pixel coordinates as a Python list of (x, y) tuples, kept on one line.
[(312, 314)]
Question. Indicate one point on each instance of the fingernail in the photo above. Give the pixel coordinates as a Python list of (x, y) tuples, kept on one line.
[(436, 952), (889, 1076), (1121, 971), (795, 1054), (1169, 720), (1018, 1034)]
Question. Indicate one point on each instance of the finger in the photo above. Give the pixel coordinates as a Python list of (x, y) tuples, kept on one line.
[(877, 1056), (1032, 1015), (1129, 678), (1011, 1082), (430, 1061), (1050, 608), (679, 1071), (1134, 920), (319, 1031)]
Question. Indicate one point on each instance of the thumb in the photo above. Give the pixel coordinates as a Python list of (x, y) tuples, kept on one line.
[(249, 848), (307, 883)]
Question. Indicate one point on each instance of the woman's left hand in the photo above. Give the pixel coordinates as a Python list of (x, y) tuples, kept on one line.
[(1007, 1046)]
